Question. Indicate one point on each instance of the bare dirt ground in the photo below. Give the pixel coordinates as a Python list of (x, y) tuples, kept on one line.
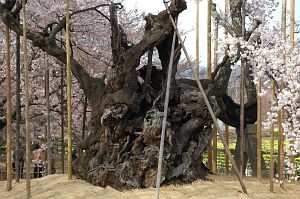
[(221, 186)]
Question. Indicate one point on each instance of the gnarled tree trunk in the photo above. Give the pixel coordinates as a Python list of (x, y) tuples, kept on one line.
[(121, 146)]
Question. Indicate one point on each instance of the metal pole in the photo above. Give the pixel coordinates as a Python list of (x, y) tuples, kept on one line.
[(26, 75), (8, 109), (242, 94), (215, 141), (226, 126), (221, 134), (69, 90), (164, 123), (197, 38), (210, 147)]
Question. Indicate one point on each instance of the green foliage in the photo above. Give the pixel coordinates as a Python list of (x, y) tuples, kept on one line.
[(265, 149)]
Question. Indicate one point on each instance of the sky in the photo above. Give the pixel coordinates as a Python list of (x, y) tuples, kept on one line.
[(187, 20)]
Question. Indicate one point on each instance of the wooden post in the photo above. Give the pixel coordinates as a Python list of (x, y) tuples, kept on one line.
[(62, 130), (8, 110), (69, 91), (259, 122), (18, 104), (292, 22), (197, 38), (243, 64), (292, 36), (215, 141), (272, 146), (26, 75), (62, 141), (226, 132), (209, 151), (48, 116), (280, 118)]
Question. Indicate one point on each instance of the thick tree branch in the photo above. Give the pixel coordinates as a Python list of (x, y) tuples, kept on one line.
[(88, 84), (62, 23), (223, 22)]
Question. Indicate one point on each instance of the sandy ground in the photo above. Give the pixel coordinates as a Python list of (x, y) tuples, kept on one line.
[(57, 186)]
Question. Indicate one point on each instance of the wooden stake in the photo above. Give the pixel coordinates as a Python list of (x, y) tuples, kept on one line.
[(26, 75), (210, 148), (292, 23), (211, 112), (197, 38), (62, 141), (48, 116), (8, 116), (215, 141), (18, 103), (280, 118), (226, 135), (292, 36), (242, 109), (272, 146), (69, 90), (258, 136), (226, 126)]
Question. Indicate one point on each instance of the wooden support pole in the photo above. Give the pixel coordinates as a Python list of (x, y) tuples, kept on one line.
[(280, 118), (209, 151), (62, 132), (26, 75), (215, 141), (62, 129), (226, 132), (242, 94), (197, 38), (259, 128), (272, 146), (292, 42), (48, 116), (69, 90), (292, 22), (8, 113), (18, 104), (211, 112), (226, 135)]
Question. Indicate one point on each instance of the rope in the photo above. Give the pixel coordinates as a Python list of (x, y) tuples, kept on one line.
[(26, 71), (221, 133), (164, 124), (69, 90)]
